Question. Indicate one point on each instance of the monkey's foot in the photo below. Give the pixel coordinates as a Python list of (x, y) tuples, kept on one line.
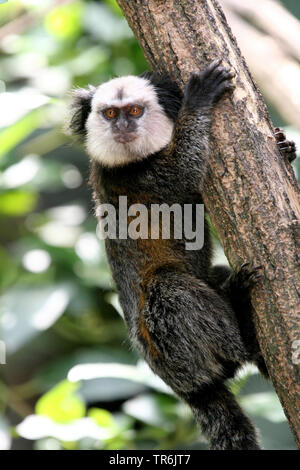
[(287, 147), (238, 285), (248, 275)]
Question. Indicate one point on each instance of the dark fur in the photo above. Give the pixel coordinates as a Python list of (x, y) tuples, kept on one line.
[(80, 108), (168, 92), (286, 147), (186, 317)]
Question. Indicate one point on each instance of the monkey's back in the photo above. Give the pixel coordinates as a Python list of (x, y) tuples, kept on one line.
[(135, 262)]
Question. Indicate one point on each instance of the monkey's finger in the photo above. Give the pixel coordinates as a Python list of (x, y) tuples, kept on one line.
[(225, 75), (212, 66), (221, 71), (256, 268), (288, 149), (287, 145), (280, 135), (224, 86), (217, 73), (244, 265)]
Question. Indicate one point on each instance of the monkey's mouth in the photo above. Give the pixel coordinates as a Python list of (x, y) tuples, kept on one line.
[(125, 138)]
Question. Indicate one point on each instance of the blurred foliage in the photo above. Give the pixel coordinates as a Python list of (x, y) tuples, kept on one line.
[(71, 380)]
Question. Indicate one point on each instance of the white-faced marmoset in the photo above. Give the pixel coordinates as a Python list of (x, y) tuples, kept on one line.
[(190, 321)]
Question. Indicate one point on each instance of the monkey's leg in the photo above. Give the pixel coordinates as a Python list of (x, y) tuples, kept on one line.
[(236, 287), (189, 336), (287, 147)]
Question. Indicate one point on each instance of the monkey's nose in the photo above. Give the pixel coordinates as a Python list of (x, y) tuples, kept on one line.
[(122, 125)]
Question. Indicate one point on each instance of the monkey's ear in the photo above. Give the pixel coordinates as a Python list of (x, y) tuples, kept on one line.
[(80, 108), (168, 92)]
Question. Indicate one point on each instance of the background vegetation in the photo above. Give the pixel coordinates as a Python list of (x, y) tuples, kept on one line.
[(71, 380)]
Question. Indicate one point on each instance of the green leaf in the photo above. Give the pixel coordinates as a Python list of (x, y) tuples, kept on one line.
[(61, 404), (11, 136), (27, 312), (238, 383), (64, 22), (114, 7), (60, 367), (102, 417), (17, 203), (8, 269)]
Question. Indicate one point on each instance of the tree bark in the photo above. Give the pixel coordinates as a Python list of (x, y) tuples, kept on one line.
[(251, 193)]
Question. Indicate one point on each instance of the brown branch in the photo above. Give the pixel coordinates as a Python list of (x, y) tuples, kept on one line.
[(251, 193)]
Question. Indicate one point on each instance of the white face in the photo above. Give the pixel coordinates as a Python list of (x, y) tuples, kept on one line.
[(135, 128)]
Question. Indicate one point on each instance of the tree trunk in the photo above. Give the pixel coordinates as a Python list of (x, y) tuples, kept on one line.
[(251, 193)]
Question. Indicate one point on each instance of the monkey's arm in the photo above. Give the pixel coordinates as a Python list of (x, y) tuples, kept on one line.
[(190, 144)]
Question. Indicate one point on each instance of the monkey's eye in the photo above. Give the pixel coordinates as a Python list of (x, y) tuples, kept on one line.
[(136, 111), (110, 113)]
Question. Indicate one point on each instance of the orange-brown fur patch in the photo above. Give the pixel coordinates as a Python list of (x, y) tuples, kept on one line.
[(146, 336)]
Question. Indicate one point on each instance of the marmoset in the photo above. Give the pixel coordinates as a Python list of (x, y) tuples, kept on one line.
[(191, 321)]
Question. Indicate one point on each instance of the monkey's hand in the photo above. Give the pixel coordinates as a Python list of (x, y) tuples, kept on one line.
[(205, 88), (287, 147)]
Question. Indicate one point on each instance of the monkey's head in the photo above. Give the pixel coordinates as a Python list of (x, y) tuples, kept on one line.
[(127, 118)]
